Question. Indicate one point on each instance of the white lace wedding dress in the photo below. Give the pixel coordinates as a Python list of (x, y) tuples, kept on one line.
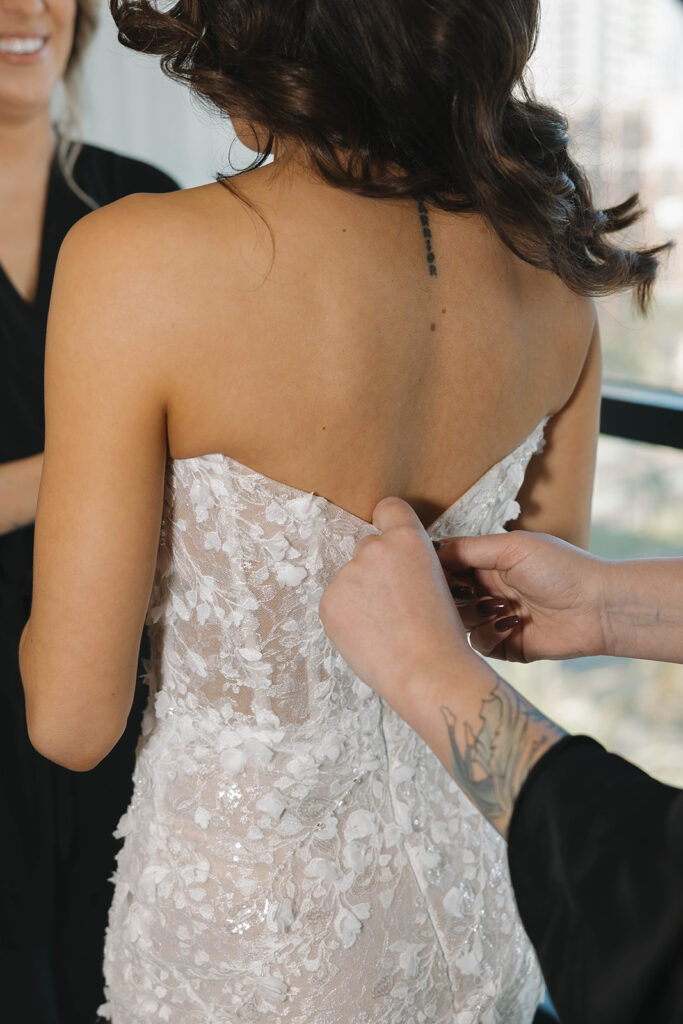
[(292, 850)]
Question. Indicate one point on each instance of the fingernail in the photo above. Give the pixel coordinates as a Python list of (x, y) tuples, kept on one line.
[(461, 593), (437, 544), (491, 606), (506, 624)]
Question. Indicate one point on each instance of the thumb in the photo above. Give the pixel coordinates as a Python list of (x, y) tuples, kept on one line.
[(393, 512), (498, 551)]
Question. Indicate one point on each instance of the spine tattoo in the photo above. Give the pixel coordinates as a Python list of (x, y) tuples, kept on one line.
[(427, 232), (491, 764)]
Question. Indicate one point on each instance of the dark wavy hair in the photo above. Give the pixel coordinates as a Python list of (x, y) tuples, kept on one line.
[(406, 98)]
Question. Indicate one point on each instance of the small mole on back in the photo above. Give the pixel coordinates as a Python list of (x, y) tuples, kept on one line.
[(432, 327), (443, 310)]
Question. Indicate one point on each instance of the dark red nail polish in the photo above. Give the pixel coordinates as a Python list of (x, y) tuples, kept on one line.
[(508, 623), (491, 606), (437, 544), (461, 593)]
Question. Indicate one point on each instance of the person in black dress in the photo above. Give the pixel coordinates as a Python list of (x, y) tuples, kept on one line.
[(58, 849)]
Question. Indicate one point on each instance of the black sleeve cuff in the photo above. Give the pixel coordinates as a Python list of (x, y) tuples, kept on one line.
[(596, 860)]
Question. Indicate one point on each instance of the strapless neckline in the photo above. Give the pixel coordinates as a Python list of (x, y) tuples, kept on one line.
[(532, 440)]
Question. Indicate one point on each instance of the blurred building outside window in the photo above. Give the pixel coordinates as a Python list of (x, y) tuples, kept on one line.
[(614, 67)]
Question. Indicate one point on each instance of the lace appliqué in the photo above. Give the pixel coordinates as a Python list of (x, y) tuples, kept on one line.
[(292, 850)]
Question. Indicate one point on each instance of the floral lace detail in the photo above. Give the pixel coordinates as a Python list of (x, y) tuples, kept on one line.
[(292, 850)]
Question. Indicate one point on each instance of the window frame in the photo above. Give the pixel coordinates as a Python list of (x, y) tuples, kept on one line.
[(637, 413)]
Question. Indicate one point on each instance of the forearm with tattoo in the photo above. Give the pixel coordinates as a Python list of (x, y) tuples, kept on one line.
[(492, 758)]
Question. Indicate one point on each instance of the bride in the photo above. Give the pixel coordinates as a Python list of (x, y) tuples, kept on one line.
[(236, 374)]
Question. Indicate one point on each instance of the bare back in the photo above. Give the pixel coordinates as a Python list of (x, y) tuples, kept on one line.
[(329, 358)]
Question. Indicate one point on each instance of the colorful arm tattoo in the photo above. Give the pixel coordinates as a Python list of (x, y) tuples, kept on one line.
[(491, 764)]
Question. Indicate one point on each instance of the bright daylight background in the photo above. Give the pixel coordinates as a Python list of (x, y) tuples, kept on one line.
[(614, 66)]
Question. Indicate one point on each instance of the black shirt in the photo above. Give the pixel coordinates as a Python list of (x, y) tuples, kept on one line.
[(105, 177), (596, 859), (57, 849)]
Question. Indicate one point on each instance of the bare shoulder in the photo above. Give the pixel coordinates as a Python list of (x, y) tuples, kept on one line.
[(578, 312), (557, 319), (577, 328), (144, 234), (563, 328), (574, 316), (144, 261)]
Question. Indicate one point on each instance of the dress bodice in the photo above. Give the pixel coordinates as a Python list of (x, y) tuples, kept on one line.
[(243, 562), (293, 850)]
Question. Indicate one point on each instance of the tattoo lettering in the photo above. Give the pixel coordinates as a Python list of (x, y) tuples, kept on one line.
[(491, 764), (427, 232)]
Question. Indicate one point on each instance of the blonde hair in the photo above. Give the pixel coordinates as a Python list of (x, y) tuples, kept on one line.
[(69, 143)]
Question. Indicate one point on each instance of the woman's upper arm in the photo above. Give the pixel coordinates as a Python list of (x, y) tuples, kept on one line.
[(558, 488), (100, 502)]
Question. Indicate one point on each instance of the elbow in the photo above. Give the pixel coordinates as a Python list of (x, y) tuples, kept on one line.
[(61, 728), (67, 748), (75, 757), (67, 755)]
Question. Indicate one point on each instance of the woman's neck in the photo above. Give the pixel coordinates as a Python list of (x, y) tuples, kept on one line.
[(27, 144), (288, 154)]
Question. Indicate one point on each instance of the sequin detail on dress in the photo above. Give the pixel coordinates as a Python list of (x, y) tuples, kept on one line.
[(292, 850)]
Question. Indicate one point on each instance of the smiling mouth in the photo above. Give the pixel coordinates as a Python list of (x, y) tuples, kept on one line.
[(22, 44)]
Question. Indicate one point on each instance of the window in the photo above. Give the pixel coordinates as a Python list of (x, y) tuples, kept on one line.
[(621, 82), (634, 708), (619, 77)]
